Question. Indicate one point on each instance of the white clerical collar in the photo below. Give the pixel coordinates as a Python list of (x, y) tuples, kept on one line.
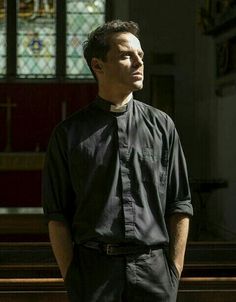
[(108, 106)]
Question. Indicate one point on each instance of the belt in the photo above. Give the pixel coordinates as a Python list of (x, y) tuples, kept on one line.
[(116, 249)]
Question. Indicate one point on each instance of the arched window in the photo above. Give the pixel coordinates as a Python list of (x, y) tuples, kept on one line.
[(42, 39)]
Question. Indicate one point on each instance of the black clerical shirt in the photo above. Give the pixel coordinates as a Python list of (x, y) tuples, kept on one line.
[(115, 175)]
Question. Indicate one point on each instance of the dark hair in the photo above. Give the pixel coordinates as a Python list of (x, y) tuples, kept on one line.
[(98, 43)]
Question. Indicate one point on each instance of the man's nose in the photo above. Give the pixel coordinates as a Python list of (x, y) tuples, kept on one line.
[(138, 61)]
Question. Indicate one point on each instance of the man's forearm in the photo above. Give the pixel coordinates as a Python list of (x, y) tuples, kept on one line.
[(62, 245), (178, 226)]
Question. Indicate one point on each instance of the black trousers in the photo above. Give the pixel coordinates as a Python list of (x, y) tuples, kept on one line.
[(96, 277)]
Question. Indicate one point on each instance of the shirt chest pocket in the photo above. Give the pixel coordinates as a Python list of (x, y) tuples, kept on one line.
[(153, 165)]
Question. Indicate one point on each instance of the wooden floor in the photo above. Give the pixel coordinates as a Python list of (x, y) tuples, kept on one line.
[(28, 273)]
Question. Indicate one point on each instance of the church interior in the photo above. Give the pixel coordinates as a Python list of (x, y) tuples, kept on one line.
[(190, 73)]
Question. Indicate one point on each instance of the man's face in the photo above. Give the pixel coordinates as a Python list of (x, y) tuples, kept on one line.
[(123, 68)]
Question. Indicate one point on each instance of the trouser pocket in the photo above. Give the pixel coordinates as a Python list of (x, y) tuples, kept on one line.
[(173, 272), (68, 273)]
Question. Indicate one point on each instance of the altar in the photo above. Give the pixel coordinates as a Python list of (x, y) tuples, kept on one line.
[(21, 161)]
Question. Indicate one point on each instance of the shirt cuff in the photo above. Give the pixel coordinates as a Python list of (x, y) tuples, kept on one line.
[(54, 216), (182, 207)]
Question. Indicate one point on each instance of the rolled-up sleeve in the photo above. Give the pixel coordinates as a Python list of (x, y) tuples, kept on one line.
[(57, 191), (178, 190)]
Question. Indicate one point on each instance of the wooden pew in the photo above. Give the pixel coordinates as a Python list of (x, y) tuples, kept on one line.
[(209, 273), (28, 272), (207, 289), (32, 289)]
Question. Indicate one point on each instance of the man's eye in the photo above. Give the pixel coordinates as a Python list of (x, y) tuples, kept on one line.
[(125, 55)]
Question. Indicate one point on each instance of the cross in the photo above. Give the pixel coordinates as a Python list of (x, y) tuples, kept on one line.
[(8, 106)]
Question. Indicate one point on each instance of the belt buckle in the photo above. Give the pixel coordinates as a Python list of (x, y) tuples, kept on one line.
[(108, 249)]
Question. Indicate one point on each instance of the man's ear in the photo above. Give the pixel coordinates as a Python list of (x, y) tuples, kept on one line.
[(97, 65)]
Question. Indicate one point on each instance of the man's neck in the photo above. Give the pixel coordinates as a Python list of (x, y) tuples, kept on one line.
[(117, 100)]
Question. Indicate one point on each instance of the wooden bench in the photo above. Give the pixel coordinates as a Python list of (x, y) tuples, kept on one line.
[(32, 289), (28, 272)]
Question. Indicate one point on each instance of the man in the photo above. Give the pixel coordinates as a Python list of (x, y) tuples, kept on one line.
[(116, 191)]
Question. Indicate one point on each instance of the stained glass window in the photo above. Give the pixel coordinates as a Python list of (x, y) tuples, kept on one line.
[(36, 38), (2, 38), (82, 17)]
